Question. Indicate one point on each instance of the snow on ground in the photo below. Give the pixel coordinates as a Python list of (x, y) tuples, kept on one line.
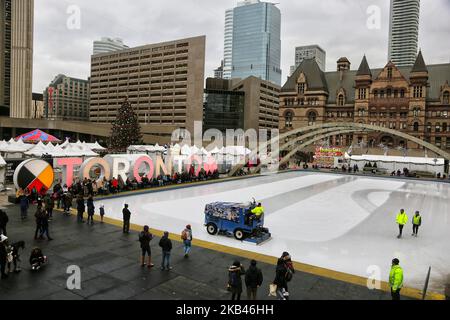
[(343, 223)]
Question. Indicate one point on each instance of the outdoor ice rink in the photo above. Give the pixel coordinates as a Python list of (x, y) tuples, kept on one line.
[(338, 222)]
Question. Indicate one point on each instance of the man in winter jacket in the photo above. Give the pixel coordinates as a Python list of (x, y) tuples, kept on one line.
[(417, 222), (402, 220), (396, 279), (126, 219), (166, 245), (253, 280), (144, 238)]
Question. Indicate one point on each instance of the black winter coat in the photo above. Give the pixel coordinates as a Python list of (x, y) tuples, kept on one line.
[(234, 278), (280, 274), (253, 277), (165, 244)]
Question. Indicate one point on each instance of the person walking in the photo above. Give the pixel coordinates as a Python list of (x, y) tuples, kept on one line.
[(126, 219), (3, 222), (235, 272), (186, 236), (283, 274), (90, 210), (44, 226), (24, 205), (396, 279), (39, 215), (166, 245), (3, 256), (144, 238), (80, 208), (49, 205), (402, 220), (253, 280), (417, 222)]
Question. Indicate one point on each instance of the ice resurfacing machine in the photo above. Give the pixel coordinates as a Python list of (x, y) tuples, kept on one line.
[(236, 219)]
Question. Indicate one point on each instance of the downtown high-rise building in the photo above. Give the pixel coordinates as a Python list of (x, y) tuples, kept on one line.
[(404, 32), (256, 41), (164, 83), (67, 98), (106, 45), (16, 59), (228, 44), (309, 52)]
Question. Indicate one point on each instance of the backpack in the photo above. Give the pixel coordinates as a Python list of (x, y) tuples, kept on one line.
[(184, 235)]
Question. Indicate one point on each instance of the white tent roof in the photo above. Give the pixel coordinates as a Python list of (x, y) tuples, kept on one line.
[(412, 160)]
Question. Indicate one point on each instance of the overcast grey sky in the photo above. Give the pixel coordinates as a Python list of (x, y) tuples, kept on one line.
[(338, 26)]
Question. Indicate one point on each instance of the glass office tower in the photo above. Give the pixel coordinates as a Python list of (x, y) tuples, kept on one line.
[(256, 47)]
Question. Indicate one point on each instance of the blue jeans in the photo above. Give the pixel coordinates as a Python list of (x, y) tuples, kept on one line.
[(187, 246), (165, 259)]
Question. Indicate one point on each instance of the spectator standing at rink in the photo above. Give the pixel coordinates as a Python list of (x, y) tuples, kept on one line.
[(235, 272), (186, 236), (253, 280), (126, 219), (80, 208), (90, 210), (166, 245), (402, 220), (396, 279), (417, 222), (102, 212), (144, 238)]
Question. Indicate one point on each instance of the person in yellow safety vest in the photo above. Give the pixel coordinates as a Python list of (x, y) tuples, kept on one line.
[(396, 279), (417, 222), (402, 220), (258, 211)]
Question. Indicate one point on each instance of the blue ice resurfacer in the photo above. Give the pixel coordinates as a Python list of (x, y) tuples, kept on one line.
[(235, 219)]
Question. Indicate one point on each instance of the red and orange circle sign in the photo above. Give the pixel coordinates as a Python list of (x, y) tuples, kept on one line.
[(34, 173)]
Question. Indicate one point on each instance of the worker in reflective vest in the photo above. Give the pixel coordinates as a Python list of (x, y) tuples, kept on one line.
[(402, 220), (417, 222), (396, 279), (258, 211)]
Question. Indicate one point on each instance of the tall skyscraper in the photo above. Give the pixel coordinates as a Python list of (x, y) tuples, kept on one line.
[(404, 32), (228, 44), (106, 45), (16, 60), (256, 49), (310, 52)]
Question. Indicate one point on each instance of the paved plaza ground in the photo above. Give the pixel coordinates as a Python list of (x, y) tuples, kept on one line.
[(109, 263)]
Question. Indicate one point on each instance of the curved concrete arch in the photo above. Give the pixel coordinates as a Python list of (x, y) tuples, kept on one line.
[(342, 125), (309, 142), (287, 157)]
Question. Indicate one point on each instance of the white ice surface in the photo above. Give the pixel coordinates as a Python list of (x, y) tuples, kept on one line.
[(337, 222)]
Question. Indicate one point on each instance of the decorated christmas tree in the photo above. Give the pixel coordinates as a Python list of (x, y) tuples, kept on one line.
[(126, 130)]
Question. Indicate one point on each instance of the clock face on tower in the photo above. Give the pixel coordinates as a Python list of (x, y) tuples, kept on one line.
[(34, 173)]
